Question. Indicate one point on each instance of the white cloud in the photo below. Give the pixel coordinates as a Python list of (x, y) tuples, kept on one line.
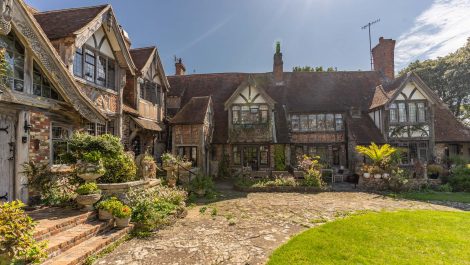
[(439, 30)]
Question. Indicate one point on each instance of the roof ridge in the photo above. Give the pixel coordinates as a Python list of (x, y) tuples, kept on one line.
[(70, 9)]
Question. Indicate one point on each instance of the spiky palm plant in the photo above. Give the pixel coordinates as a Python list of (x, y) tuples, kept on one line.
[(378, 154)]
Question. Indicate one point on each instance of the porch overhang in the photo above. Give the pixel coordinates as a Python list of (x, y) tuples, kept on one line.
[(147, 124)]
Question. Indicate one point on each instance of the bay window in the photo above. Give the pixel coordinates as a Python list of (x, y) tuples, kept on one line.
[(94, 67), (250, 114)]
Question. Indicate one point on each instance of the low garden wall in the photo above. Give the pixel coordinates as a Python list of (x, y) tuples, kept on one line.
[(381, 184), (279, 189)]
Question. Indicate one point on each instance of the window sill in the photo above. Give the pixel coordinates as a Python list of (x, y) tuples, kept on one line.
[(88, 83)]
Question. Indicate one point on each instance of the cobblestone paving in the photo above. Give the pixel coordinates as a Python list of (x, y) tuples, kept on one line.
[(246, 228)]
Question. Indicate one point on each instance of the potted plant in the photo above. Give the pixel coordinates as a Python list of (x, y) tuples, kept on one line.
[(365, 170), (122, 216), (434, 171), (90, 167), (376, 172), (106, 207), (88, 194), (201, 184)]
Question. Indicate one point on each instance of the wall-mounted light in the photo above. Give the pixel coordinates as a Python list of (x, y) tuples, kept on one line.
[(27, 127)]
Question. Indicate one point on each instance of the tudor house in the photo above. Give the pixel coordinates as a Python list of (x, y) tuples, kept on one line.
[(68, 70), (317, 113)]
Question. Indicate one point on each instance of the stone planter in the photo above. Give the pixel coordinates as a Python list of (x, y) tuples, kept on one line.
[(119, 189), (366, 175), (89, 171), (88, 200), (377, 176), (171, 182), (104, 215), (200, 192), (385, 175), (122, 222)]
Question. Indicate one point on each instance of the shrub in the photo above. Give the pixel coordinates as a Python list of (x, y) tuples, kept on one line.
[(279, 158), (122, 212), (201, 182), (435, 169), (445, 188), (53, 189), (17, 244), (174, 196), (380, 155), (109, 204), (460, 178), (312, 168), (119, 166), (224, 167), (88, 188)]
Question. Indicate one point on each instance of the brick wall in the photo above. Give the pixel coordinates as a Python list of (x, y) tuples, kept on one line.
[(384, 57), (39, 145)]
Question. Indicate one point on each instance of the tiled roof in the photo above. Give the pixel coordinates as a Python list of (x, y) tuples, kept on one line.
[(448, 128), (140, 56), (363, 130), (63, 23), (193, 112)]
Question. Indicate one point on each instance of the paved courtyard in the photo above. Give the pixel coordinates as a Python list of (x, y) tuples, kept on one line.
[(246, 228)]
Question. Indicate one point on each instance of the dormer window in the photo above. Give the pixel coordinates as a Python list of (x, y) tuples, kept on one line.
[(94, 67)]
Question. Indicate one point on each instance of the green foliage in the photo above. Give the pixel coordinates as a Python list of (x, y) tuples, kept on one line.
[(377, 238), (151, 207), (17, 244), (312, 69), (5, 68), (109, 204), (54, 189), (88, 188), (279, 158), (460, 178), (122, 212), (448, 76), (381, 156), (435, 169), (119, 166), (458, 160), (202, 183)]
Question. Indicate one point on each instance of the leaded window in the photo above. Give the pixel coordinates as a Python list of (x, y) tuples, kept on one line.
[(60, 142), (393, 113), (236, 156), (411, 112), (339, 122), (295, 122), (42, 86), (250, 114), (316, 122), (402, 112), (95, 67), (263, 155), (330, 122), (14, 56), (421, 112)]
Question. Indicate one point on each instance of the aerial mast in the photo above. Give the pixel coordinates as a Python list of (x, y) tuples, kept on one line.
[(367, 26)]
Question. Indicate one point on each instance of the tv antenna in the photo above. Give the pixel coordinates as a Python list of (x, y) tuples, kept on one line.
[(367, 26)]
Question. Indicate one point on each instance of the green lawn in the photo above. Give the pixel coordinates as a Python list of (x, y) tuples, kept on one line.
[(436, 196), (404, 237)]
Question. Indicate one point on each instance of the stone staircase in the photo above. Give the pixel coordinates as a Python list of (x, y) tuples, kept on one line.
[(72, 235)]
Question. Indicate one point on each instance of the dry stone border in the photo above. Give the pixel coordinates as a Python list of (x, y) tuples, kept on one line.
[(248, 227)]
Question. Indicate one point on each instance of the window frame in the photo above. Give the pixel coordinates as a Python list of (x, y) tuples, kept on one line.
[(250, 114), (109, 63), (316, 122), (12, 41), (58, 140)]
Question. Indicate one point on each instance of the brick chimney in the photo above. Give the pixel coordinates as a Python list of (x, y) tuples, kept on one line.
[(384, 57), (278, 65), (180, 69)]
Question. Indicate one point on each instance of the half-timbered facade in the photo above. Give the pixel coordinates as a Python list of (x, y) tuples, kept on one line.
[(324, 114)]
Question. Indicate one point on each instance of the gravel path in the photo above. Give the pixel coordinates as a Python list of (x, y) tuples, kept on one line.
[(246, 228)]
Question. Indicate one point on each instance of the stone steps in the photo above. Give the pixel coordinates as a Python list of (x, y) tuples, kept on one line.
[(75, 235), (79, 253), (72, 235)]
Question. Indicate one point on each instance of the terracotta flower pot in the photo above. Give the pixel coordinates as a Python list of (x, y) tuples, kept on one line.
[(122, 222), (88, 200), (104, 215)]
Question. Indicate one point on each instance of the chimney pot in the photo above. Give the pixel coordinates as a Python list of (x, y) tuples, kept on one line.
[(180, 69), (384, 57), (278, 65)]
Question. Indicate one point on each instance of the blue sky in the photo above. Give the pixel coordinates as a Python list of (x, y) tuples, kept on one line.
[(239, 36)]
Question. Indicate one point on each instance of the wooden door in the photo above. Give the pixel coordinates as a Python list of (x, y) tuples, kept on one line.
[(7, 156)]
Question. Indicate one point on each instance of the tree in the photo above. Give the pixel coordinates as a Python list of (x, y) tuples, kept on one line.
[(312, 69), (449, 77)]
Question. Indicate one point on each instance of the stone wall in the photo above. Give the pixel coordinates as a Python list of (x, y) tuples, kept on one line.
[(39, 143), (412, 184)]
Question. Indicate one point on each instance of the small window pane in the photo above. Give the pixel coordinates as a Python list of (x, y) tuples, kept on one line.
[(111, 74), (312, 122), (321, 122), (421, 112), (295, 123), (303, 123), (393, 113), (339, 122), (101, 71), (411, 112), (401, 112), (330, 122)]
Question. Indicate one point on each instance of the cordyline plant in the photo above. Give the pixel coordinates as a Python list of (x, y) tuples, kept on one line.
[(380, 155)]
